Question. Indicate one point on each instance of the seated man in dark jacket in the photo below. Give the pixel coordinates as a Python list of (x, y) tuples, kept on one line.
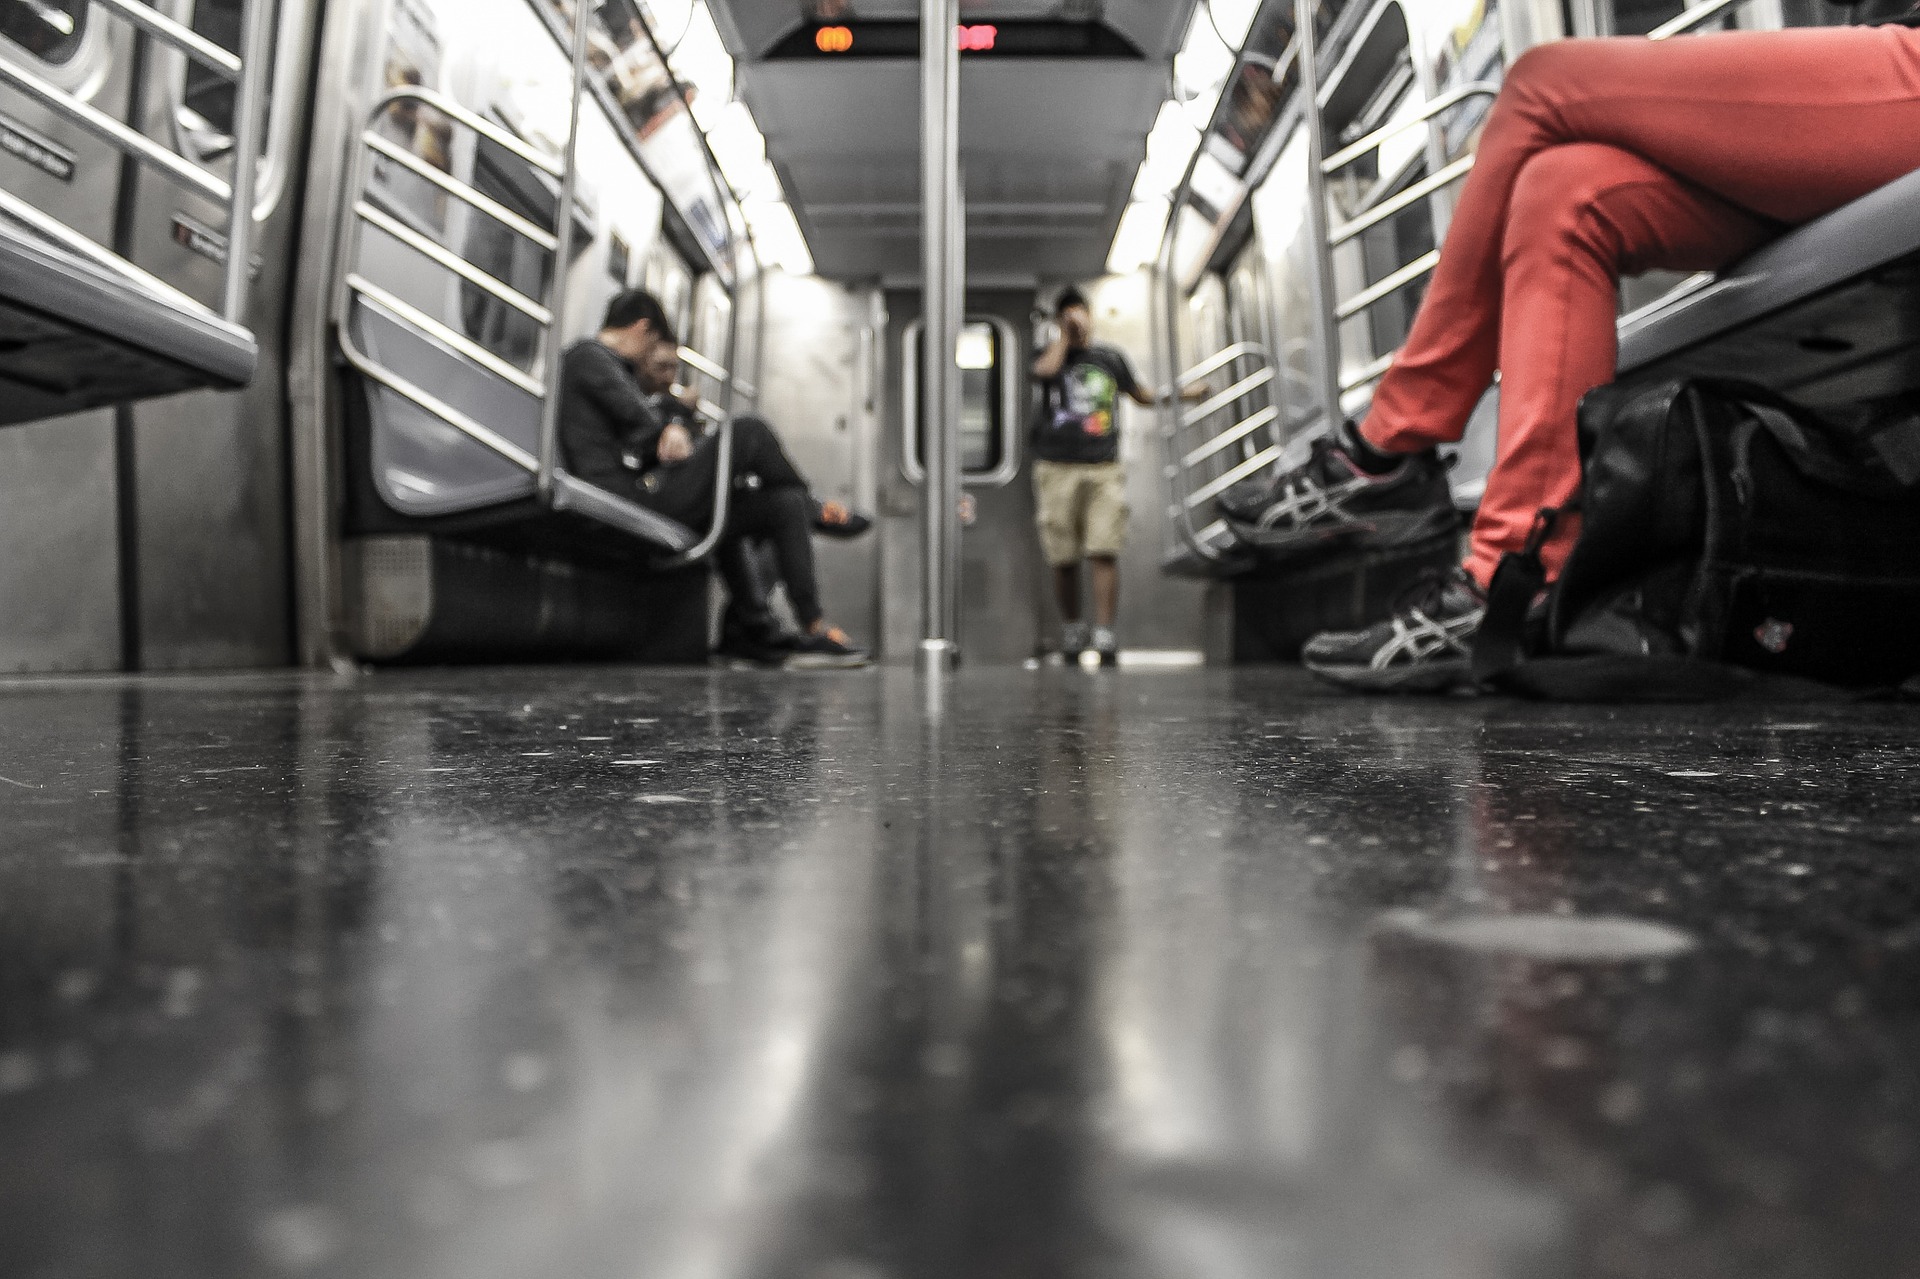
[(605, 415)]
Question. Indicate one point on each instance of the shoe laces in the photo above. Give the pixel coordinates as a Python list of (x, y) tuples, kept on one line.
[(1427, 594)]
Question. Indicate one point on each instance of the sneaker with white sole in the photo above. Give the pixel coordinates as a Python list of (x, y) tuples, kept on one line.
[(1425, 647), (1330, 503), (1107, 645)]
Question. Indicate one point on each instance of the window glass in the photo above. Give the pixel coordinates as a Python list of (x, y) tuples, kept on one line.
[(51, 30), (209, 97)]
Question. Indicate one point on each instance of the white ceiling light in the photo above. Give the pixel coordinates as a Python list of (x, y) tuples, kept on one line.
[(702, 61), (1201, 68), (1169, 147), (738, 145), (1137, 242), (777, 236)]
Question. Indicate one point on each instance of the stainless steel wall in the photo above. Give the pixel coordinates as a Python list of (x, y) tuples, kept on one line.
[(59, 557), (206, 507), (818, 386)]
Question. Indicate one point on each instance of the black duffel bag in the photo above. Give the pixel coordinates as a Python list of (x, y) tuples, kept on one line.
[(1726, 535)]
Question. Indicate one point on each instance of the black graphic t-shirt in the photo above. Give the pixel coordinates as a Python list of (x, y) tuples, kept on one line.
[(1080, 411)]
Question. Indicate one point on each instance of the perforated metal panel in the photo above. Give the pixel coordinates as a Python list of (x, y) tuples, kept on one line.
[(389, 590)]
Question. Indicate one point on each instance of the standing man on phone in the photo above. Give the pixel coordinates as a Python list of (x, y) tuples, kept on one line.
[(1079, 482)]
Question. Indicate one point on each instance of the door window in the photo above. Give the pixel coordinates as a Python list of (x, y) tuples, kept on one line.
[(51, 30), (988, 413)]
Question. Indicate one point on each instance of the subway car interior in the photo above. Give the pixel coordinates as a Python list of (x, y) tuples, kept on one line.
[(428, 850)]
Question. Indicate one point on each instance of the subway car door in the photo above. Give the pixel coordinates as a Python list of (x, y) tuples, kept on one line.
[(59, 558), (208, 512)]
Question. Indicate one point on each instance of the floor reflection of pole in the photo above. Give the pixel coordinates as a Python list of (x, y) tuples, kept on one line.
[(130, 801)]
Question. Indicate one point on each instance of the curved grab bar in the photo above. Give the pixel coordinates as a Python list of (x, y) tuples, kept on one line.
[(722, 505)]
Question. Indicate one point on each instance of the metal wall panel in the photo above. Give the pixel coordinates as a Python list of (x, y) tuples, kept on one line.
[(212, 520), (59, 562), (816, 389)]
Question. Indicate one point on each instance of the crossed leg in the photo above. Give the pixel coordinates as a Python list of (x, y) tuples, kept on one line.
[(1604, 157)]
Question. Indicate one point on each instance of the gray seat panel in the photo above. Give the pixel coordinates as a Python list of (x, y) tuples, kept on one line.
[(75, 335), (422, 465), (1825, 313), (425, 467)]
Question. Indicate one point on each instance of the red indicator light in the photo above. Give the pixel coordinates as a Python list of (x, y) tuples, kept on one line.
[(979, 39), (833, 39)]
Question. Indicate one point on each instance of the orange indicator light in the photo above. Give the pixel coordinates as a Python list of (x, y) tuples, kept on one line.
[(833, 39)]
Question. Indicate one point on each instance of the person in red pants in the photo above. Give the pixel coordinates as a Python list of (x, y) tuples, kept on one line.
[(1600, 158)]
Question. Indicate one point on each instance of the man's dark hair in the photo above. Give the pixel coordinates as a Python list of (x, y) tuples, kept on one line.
[(629, 308), (1070, 299)]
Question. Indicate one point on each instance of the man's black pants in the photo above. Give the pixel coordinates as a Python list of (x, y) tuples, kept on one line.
[(779, 511)]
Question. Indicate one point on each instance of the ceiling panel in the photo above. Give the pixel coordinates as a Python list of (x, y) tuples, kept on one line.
[(1049, 148)]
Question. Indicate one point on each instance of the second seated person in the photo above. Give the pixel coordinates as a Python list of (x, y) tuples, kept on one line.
[(606, 415)]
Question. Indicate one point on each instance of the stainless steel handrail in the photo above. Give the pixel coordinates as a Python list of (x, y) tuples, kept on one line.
[(1246, 386), (113, 132), (562, 257), (388, 150), (701, 364), (1187, 492), (478, 123), (1693, 19), (1399, 202), (248, 69), (383, 221), (1372, 141), (1387, 285), (1219, 360), (184, 38)]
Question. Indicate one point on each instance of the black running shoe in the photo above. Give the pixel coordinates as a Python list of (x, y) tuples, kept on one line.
[(1425, 647), (828, 649), (1329, 503)]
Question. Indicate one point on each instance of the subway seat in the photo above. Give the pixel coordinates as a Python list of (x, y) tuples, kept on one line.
[(1825, 315), (76, 335), (451, 556)]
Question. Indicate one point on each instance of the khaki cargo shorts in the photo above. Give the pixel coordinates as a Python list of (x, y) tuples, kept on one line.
[(1082, 509)]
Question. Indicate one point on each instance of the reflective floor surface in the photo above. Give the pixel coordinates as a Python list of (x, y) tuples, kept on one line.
[(1197, 975)]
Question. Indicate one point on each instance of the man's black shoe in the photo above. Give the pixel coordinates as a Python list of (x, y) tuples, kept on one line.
[(837, 519), (1425, 647), (745, 651), (1331, 503)]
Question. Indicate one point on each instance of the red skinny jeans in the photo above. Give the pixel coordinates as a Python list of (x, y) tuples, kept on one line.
[(1604, 158)]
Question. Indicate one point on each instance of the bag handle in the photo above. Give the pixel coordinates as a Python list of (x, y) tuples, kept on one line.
[(1500, 647)]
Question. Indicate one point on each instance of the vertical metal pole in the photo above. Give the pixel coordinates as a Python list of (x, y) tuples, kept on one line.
[(1327, 375), (562, 258), (249, 106), (941, 220)]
